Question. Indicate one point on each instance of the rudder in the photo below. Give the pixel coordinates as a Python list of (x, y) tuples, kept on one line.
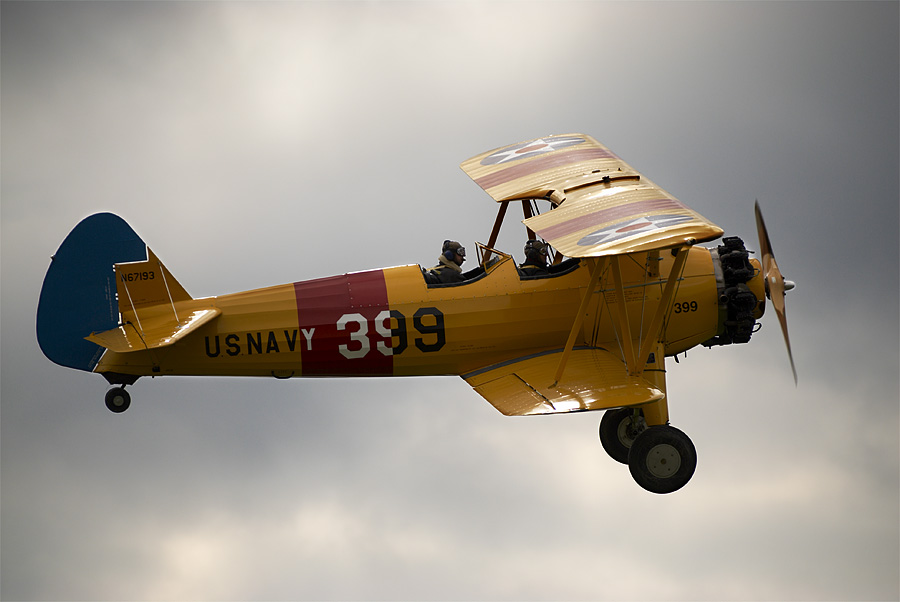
[(78, 296)]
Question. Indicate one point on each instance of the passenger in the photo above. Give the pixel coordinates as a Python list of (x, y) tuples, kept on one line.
[(449, 268), (535, 259)]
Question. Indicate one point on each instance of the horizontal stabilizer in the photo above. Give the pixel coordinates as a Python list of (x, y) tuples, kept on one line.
[(595, 379), (153, 332)]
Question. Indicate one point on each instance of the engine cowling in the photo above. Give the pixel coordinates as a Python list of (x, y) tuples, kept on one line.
[(741, 292)]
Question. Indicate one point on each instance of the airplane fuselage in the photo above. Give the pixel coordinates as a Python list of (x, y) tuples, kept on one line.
[(389, 322)]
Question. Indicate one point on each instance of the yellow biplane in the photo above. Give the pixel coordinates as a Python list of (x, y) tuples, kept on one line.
[(625, 287)]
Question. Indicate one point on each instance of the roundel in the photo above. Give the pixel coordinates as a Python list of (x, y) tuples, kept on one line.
[(631, 227), (530, 149)]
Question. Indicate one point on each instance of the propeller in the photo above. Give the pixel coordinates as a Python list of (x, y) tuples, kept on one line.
[(776, 285)]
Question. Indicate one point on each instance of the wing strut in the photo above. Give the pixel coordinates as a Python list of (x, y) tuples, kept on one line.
[(622, 313), (656, 323), (526, 210), (492, 241), (501, 213), (599, 267), (635, 364)]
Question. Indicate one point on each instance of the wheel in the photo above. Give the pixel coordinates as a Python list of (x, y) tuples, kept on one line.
[(662, 459), (118, 400), (618, 429)]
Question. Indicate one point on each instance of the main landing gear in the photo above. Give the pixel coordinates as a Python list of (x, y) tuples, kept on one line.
[(118, 399), (661, 458)]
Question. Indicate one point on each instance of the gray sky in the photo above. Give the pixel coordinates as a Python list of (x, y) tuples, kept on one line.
[(258, 144)]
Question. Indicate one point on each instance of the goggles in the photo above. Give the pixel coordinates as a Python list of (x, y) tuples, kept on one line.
[(535, 245)]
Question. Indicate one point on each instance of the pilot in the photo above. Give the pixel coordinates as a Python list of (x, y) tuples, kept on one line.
[(535, 259), (449, 264)]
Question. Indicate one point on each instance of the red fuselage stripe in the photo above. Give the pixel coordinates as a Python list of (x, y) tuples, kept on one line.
[(338, 335)]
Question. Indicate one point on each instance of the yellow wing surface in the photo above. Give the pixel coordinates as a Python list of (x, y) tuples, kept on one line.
[(602, 206), (595, 380)]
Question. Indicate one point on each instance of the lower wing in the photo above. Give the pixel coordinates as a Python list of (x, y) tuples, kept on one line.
[(595, 379)]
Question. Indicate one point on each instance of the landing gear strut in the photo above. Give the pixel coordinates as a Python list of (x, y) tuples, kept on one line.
[(118, 399), (619, 429)]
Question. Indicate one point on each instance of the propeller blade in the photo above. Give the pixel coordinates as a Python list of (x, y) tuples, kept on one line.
[(776, 285)]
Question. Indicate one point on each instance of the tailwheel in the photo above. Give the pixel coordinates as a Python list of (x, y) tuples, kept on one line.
[(118, 400), (618, 430), (662, 459)]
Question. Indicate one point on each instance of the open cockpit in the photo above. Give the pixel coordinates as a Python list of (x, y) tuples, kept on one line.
[(490, 259)]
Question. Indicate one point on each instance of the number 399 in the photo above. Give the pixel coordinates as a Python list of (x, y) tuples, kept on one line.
[(684, 307), (428, 322)]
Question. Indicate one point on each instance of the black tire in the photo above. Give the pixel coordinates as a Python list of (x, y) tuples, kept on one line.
[(662, 459), (118, 400), (618, 430)]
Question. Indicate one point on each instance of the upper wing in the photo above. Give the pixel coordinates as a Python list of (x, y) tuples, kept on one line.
[(603, 206), (594, 379)]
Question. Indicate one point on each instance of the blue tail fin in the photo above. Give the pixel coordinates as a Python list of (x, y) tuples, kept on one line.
[(79, 292)]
